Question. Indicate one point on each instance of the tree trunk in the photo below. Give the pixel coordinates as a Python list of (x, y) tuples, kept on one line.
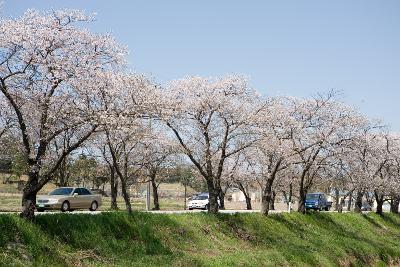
[(221, 199), (28, 205), (302, 200), (248, 202), (114, 189), (125, 195), (61, 175), (213, 197), (63, 182), (350, 201), (379, 207), (379, 203), (266, 198), (358, 203), (341, 204), (272, 202), (29, 195), (246, 195), (155, 194), (394, 204), (302, 194), (337, 200), (265, 204), (185, 205), (288, 196)]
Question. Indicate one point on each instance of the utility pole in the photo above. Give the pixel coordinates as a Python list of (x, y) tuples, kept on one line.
[(148, 196), (185, 196), (148, 183)]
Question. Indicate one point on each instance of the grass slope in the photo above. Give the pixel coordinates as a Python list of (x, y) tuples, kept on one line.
[(143, 239)]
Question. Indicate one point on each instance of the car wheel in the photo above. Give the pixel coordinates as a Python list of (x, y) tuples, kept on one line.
[(65, 206), (207, 207), (190, 209), (40, 210), (93, 206)]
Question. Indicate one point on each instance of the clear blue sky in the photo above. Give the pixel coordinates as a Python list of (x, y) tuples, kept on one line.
[(285, 47)]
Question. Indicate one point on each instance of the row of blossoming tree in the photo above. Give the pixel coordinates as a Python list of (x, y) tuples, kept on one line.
[(64, 88)]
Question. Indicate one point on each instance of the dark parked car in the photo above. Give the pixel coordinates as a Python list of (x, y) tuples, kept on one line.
[(317, 201)]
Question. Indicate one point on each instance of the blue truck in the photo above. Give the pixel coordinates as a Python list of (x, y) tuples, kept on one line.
[(317, 201)]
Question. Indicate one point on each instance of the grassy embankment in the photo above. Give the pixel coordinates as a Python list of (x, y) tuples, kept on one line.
[(142, 239)]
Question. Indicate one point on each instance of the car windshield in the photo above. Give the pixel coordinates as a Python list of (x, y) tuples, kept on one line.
[(312, 196), (200, 197), (61, 191)]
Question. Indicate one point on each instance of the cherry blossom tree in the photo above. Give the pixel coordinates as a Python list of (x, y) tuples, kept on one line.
[(394, 171), (7, 121), (212, 119), (101, 145), (230, 180), (160, 156), (127, 116), (381, 168), (323, 125), (237, 174), (271, 153), (122, 149), (337, 175), (51, 74), (62, 87), (381, 178), (358, 164)]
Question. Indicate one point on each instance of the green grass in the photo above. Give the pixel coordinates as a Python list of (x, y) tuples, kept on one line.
[(143, 239), (10, 203), (140, 204), (9, 188)]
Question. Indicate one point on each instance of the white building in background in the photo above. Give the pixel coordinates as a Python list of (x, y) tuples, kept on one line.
[(238, 196)]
